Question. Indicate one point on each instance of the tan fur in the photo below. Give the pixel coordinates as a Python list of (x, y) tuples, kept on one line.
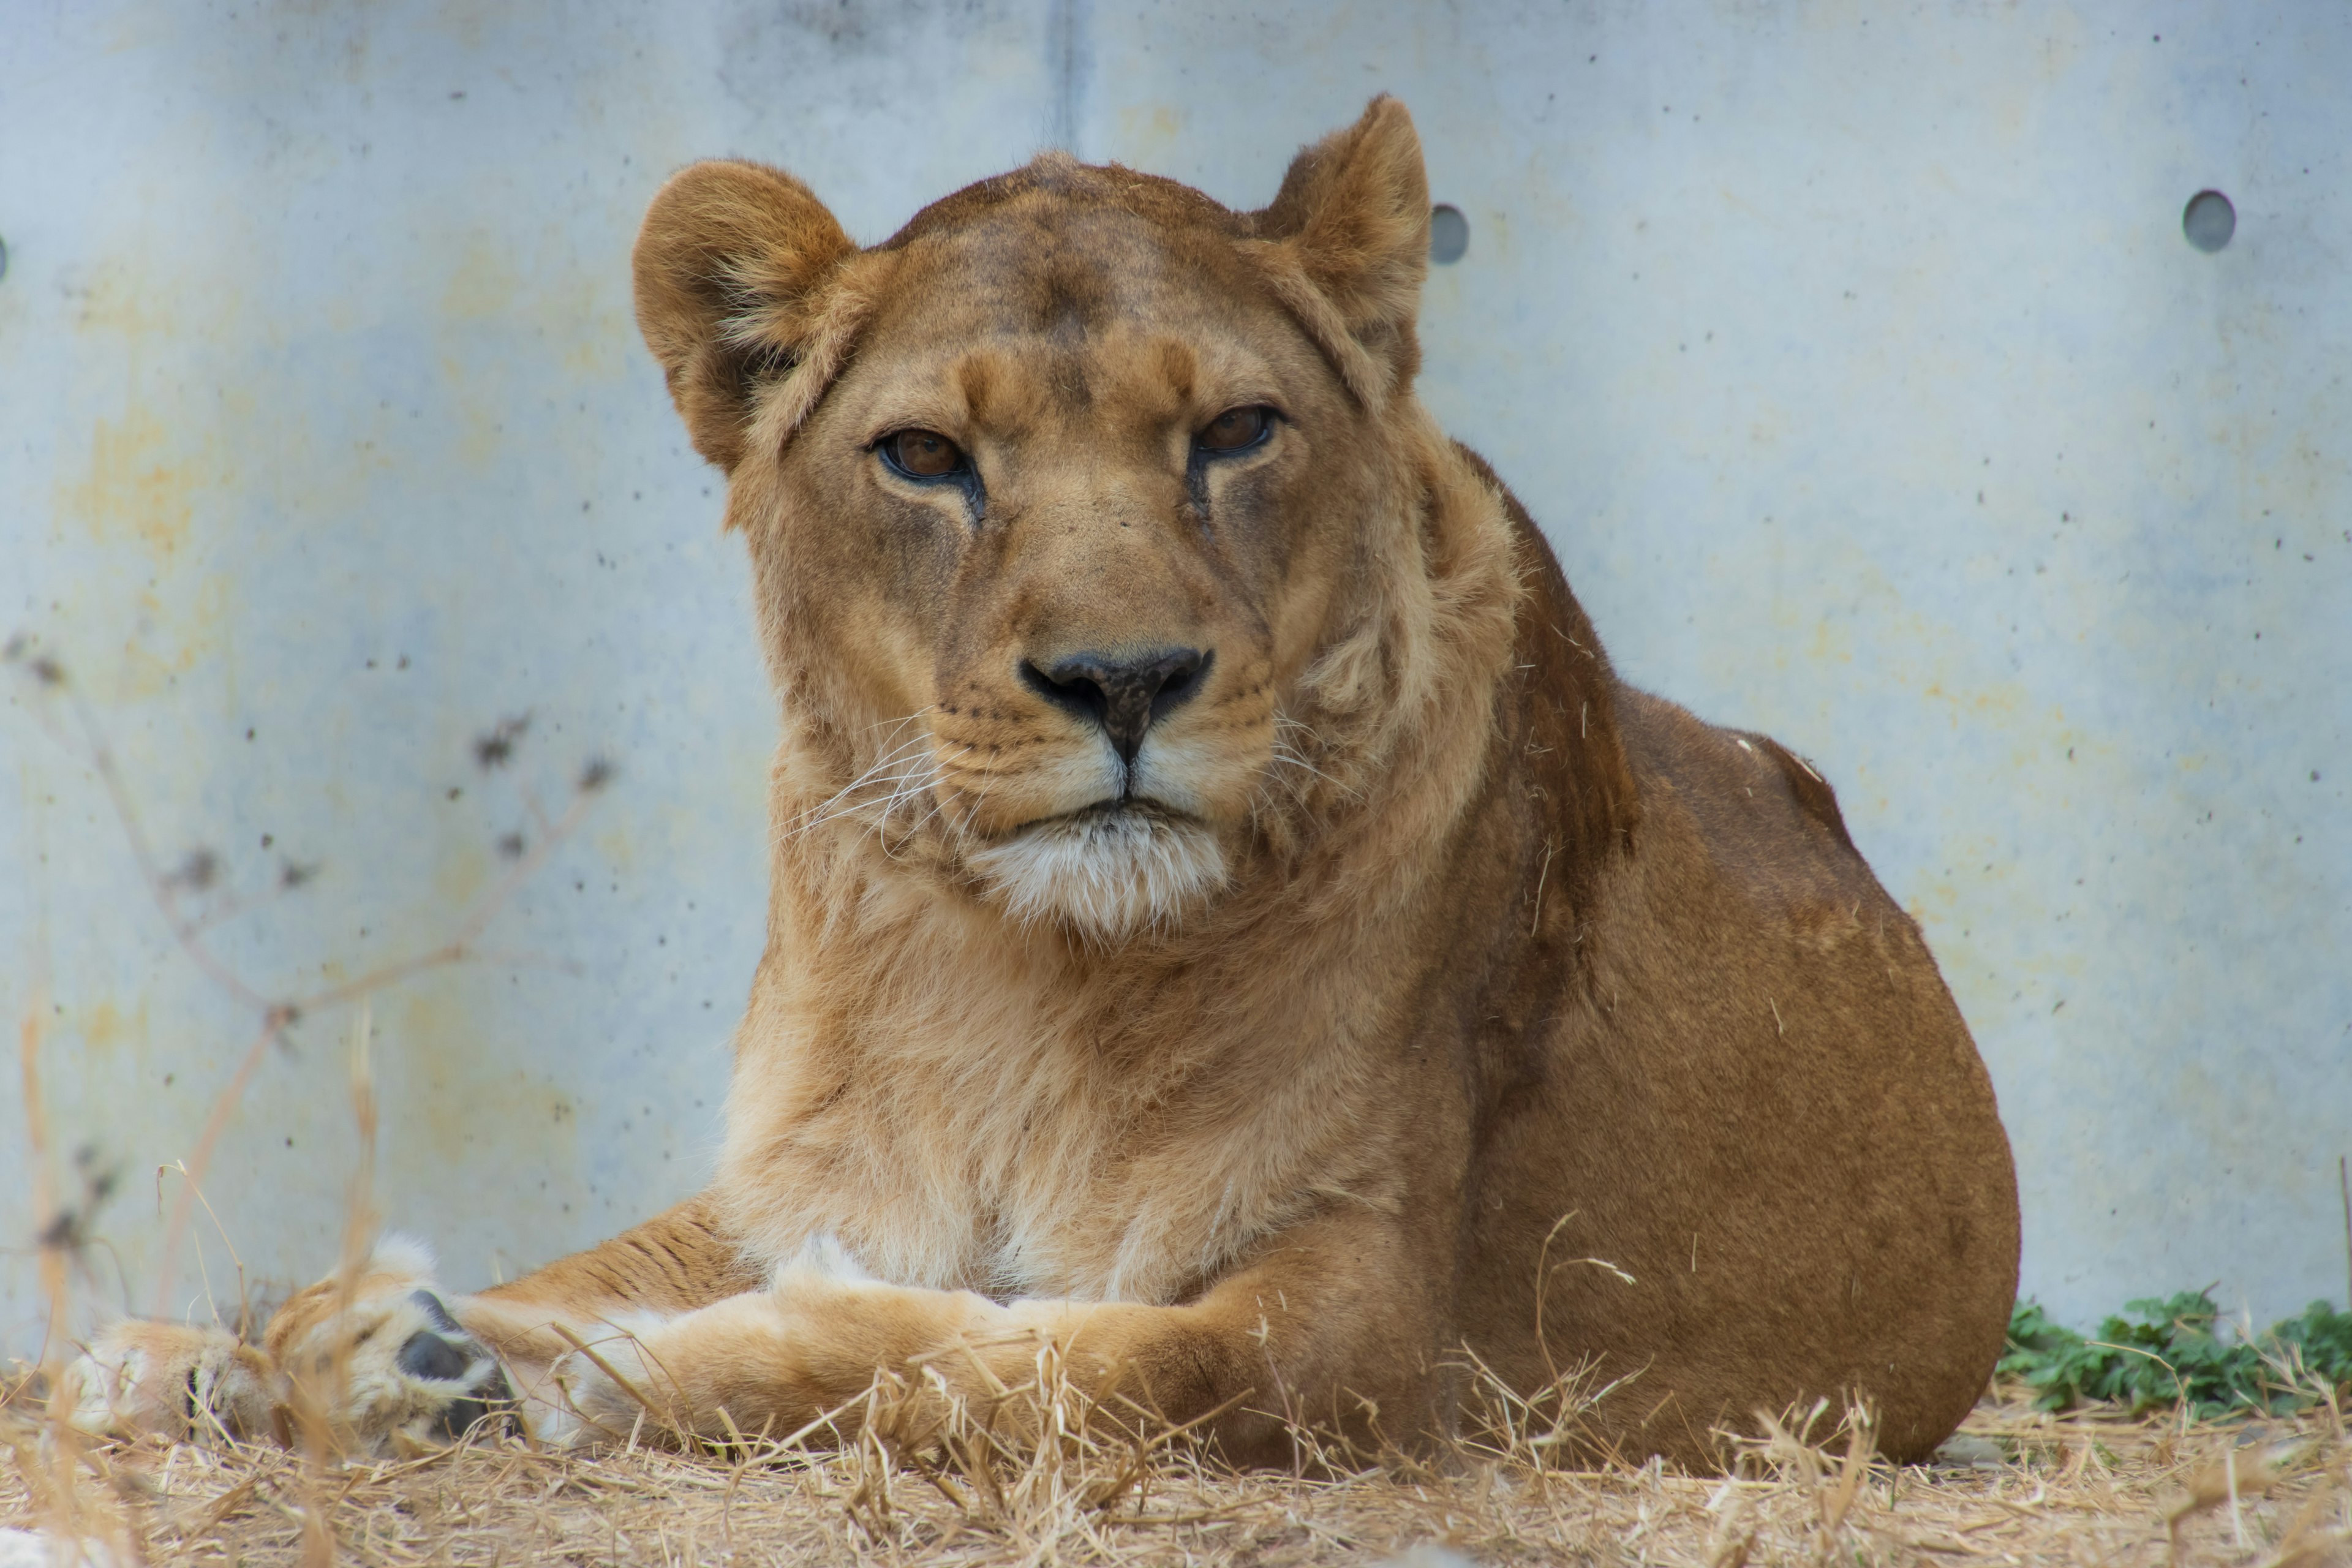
[(1428, 964)]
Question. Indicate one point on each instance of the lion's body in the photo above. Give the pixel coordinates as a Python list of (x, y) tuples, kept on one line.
[(1760, 1104), (1415, 988)]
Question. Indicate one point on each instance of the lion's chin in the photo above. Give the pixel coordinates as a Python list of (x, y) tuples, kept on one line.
[(1105, 874)]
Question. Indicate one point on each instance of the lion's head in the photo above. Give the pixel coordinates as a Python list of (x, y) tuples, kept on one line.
[(1069, 505)]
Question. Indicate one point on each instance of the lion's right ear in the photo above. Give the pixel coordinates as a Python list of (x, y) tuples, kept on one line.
[(733, 272)]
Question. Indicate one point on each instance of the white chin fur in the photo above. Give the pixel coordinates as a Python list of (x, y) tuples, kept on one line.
[(1105, 875)]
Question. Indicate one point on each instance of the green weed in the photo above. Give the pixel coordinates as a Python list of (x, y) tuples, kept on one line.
[(2171, 1353)]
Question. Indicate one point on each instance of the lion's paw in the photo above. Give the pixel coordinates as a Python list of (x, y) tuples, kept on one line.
[(378, 1357), (462, 1376), (174, 1380), (410, 1377)]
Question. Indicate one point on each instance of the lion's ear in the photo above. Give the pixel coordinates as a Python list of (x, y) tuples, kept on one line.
[(732, 272), (1352, 218)]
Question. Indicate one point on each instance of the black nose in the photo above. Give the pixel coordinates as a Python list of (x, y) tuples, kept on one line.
[(1122, 694)]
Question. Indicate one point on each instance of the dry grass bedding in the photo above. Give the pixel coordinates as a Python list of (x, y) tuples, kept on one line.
[(1103, 1486)]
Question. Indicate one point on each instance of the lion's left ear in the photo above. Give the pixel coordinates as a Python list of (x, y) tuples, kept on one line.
[(1351, 222)]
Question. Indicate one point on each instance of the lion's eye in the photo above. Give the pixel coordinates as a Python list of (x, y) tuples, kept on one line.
[(922, 454), (1237, 428)]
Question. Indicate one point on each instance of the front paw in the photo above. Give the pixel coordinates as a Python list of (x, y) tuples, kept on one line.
[(379, 1360), (466, 1385), (397, 1374), (172, 1381)]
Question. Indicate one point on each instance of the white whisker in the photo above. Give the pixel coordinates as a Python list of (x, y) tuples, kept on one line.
[(1287, 754), (905, 769)]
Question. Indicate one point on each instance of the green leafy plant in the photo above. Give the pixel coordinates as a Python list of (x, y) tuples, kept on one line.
[(2321, 1341), (2171, 1353)]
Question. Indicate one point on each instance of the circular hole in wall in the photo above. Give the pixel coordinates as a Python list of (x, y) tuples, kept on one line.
[(1449, 235), (2209, 220)]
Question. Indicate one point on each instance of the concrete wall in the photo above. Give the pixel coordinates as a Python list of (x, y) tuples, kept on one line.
[(1852, 355)]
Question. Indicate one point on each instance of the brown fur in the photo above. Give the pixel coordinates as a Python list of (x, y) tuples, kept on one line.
[(1465, 964)]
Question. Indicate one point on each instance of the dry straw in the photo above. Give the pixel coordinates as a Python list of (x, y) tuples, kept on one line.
[(1043, 1476)]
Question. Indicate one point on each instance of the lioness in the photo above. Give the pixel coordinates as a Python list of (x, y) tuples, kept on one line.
[(1227, 918)]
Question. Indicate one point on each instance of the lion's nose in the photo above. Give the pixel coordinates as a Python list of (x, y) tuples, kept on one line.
[(1122, 694)]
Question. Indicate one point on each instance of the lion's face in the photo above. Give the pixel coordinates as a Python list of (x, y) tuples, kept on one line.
[(1055, 539), (1051, 521)]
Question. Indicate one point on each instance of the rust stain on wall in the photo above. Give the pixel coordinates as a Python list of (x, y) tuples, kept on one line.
[(137, 487), (103, 1027)]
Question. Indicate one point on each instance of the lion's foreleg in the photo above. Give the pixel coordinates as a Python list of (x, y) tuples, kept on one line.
[(372, 1360), (389, 1361), (1317, 1335)]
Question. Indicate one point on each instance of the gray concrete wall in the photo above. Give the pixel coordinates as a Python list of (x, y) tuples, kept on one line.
[(1853, 356)]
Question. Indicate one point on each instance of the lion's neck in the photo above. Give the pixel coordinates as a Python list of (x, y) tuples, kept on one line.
[(963, 1103)]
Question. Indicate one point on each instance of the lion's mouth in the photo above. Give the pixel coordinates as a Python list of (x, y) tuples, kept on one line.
[(1108, 869), (1112, 809)]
